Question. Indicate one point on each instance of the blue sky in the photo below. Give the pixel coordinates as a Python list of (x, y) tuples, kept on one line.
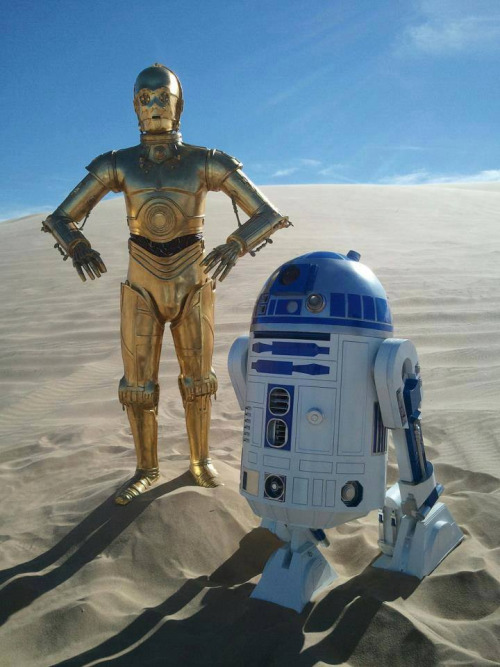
[(317, 91)]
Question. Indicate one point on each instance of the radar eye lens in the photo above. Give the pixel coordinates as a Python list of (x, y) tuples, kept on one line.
[(144, 98), (315, 303), (164, 98), (289, 275)]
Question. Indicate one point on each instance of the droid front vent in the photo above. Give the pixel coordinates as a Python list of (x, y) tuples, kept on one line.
[(275, 487), (279, 401), (277, 433)]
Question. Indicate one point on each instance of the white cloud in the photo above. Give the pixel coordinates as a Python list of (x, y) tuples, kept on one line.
[(284, 172), (452, 27), (331, 170), (336, 171), (413, 178), (307, 162), (424, 177), (300, 164), (405, 148)]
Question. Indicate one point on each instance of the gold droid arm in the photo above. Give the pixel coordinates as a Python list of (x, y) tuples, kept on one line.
[(77, 205), (224, 173)]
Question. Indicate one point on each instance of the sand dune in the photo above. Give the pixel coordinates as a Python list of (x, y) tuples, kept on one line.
[(166, 580)]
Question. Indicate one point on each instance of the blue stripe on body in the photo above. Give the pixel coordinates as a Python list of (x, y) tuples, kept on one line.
[(269, 366), (292, 349)]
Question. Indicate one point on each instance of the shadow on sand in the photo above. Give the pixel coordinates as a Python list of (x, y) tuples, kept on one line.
[(228, 628), (23, 584)]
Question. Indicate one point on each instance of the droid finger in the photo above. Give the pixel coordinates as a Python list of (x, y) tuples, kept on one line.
[(89, 271), (226, 270), (79, 271), (210, 257), (214, 261), (95, 268), (100, 263), (218, 271)]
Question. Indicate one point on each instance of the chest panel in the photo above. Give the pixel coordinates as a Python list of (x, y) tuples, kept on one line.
[(164, 199)]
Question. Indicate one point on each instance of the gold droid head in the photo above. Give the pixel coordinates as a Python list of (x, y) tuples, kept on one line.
[(158, 100)]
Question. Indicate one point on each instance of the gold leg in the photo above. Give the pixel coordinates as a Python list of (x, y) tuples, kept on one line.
[(198, 413), (194, 340), (141, 334)]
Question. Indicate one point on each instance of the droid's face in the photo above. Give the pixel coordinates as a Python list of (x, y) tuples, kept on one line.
[(158, 100), (156, 110)]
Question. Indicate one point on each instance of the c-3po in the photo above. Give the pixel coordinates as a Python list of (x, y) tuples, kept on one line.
[(165, 183)]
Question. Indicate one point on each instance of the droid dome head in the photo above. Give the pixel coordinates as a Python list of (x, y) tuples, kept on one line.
[(324, 292), (158, 100)]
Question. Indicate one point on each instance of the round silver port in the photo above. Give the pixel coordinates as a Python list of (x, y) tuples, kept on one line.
[(315, 303)]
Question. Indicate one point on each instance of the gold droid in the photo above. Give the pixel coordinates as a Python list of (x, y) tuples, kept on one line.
[(165, 182)]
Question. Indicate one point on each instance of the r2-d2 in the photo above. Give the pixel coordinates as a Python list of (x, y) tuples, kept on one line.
[(321, 379)]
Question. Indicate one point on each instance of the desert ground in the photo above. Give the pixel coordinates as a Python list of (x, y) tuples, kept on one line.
[(166, 580)]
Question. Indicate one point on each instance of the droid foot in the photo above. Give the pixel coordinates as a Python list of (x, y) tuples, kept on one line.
[(140, 482), (421, 545), (292, 579), (204, 474)]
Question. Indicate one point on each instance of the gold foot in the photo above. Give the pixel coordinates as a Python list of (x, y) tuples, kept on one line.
[(204, 474), (140, 482)]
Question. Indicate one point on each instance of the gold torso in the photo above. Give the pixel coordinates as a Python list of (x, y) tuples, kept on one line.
[(164, 187)]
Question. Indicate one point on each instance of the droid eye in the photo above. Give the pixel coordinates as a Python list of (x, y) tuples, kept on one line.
[(144, 98), (163, 98), (289, 275)]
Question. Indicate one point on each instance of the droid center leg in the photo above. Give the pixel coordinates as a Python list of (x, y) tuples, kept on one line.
[(297, 572), (141, 338), (193, 334)]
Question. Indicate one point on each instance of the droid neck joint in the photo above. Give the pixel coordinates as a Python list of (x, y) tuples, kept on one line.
[(171, 137)]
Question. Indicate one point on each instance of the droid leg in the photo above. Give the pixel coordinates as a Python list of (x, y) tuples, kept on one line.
[(193, 334), (415, 530), (141, 338), (297, 571)]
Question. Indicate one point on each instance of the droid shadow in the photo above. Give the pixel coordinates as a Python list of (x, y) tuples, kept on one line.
[(227, 627), (23, 583), (348, 611)]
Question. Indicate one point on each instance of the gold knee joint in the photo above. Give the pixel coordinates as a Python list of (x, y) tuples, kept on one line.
[(146, 396), (194, 388)]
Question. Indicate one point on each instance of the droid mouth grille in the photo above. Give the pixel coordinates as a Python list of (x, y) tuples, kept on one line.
[(279, 401)]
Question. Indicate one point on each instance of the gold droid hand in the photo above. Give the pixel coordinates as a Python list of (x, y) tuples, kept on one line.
[(225, 256), (165, 183), (84, 257)]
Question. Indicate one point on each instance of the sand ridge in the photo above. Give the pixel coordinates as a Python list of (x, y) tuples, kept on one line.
[(166, 580)]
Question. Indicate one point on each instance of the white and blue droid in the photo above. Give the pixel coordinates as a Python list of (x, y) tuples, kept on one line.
[(321, 379)]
